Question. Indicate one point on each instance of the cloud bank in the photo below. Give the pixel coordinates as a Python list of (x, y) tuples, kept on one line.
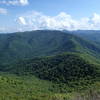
[(38, 21), (14, 2), (63, 21)]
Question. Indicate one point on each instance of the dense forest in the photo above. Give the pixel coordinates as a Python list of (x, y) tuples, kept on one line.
[(60, 68), (42, 43), (49, 65)]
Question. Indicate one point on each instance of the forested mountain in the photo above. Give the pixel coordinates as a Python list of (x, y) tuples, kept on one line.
[(49, 65), (59, 68), (93, 35), (42, 43)]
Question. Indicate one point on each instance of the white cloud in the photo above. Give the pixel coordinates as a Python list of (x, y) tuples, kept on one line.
[(96, 18), (23, 2), (3, 11), (22, 21), (63, 21), (15, 2), (36, 20)]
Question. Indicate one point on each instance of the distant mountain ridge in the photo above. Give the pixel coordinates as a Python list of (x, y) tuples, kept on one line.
[(42, 43), (93, 35)]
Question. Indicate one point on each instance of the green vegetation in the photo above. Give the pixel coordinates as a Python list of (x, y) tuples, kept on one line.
[(19, 46), (63, 77), (48, 65), (60, 68), (14, 87), (25, 88), (92, 35), (31, 88)]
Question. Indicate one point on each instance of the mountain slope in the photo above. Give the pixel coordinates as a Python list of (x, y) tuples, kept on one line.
[(13, 87), (49, 65), (60, 68), (42, 43), (92, 35)]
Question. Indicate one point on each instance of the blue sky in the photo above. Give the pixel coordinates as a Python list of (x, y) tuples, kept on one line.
[(23, 15)]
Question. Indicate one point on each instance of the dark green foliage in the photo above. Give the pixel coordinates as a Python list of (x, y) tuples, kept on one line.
[(61, 68)]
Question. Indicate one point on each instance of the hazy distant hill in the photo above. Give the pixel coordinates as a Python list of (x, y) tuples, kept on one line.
[(93, 35)]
